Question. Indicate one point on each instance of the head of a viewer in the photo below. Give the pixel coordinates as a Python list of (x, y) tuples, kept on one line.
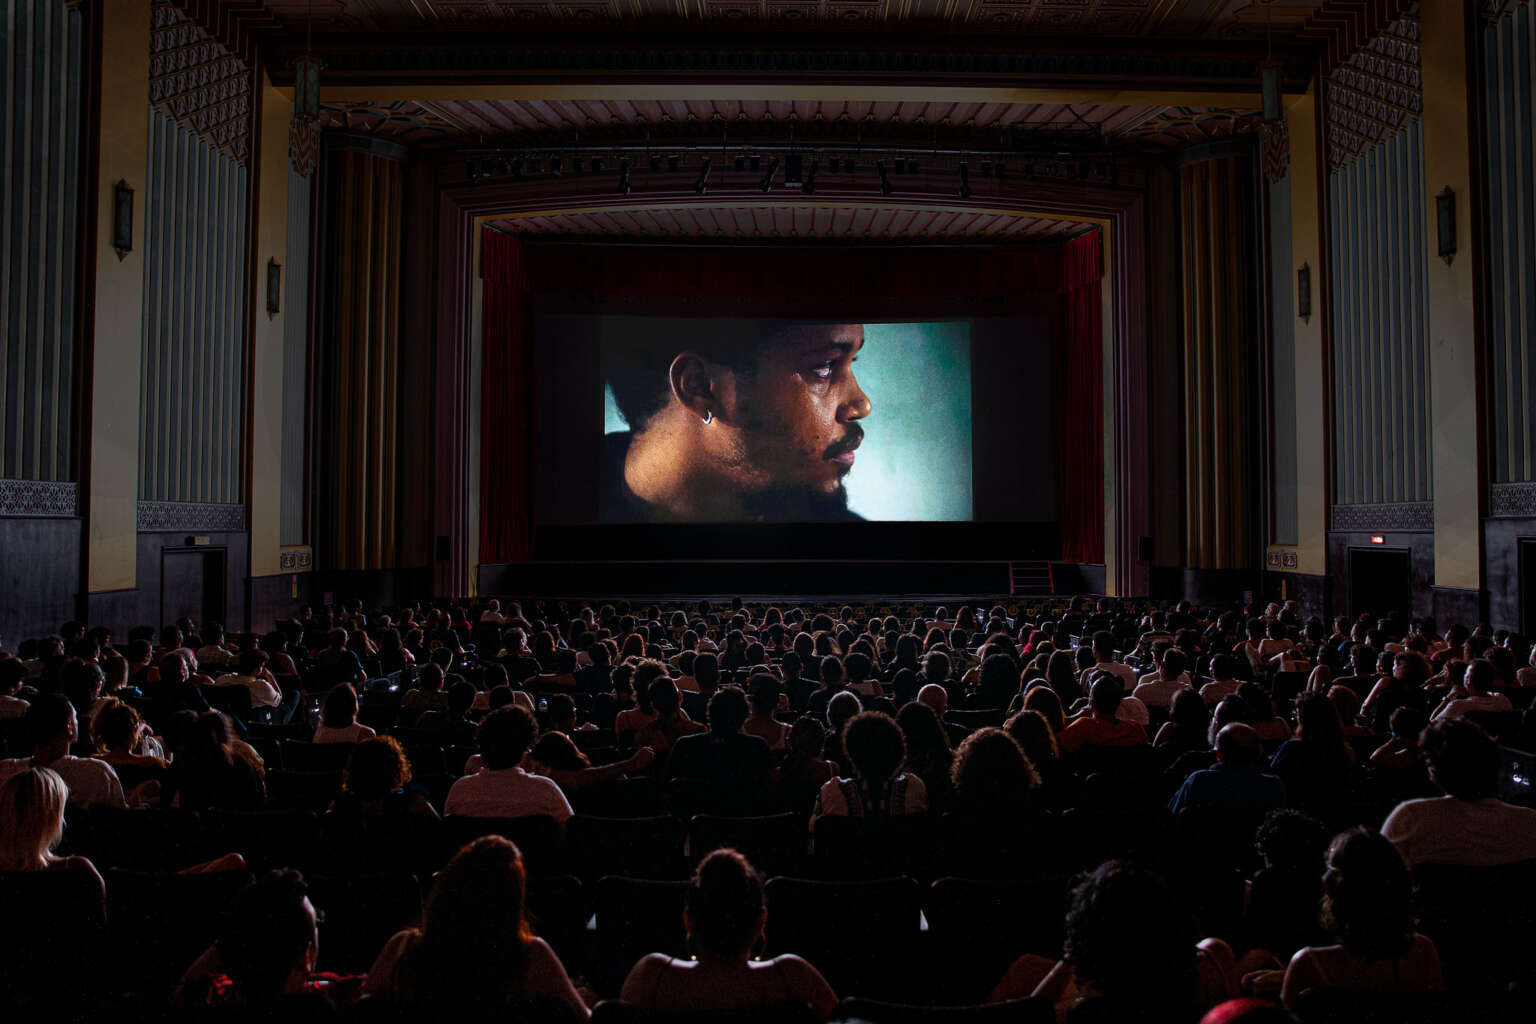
[(935, 696), (1107, 693), (1131, 939), (1463, 759), (474, 925), (875, 746), (505, 736), (32, 807), (1368, 895), (726, 711), (765, 412), (723, 911), (1238, 746), (272, 939)]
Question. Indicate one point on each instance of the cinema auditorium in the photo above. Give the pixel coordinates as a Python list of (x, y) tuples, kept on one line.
[(758, 511)]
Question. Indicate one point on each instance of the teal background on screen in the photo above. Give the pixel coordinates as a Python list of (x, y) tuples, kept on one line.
[(915, 462)]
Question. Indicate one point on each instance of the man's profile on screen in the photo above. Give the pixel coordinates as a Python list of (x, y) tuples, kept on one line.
[(734, 421)]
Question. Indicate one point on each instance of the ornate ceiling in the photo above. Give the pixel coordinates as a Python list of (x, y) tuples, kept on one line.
[(562, 123), (1187, 19), (794, 222)]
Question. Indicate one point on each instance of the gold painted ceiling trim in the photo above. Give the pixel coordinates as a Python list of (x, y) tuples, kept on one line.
[(728, 91)]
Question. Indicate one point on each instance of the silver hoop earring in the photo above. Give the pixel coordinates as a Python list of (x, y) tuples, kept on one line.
[(709, 417)]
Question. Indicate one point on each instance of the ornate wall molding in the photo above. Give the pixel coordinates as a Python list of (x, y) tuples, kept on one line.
[(1493, 10), (177, 516), (1375, 94), (38, 498), (1512, 501), (1275, 151), (194, 79), (1396, 517)]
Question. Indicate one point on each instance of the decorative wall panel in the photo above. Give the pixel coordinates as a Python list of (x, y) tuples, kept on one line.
[(296, 268), (1375, 94), (40, 59), (1380, 337), (1510, 133), (192, 395), (198, 82)]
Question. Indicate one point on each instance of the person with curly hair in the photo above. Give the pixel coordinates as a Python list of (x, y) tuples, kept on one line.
[(724, 916), (874, 745), (992, 778), (1130, 954)]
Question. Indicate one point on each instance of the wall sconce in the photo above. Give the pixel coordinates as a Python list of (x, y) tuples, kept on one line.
[(1445, 222), (1304, 292), (274, 288), (122, 219)]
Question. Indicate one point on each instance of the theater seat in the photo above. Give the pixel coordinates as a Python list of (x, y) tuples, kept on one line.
[(635, 917), (1483, 921), (537, 836), (160, 923), (854, 848), (267, 839), (636, 847), (862, 936), (611, 1011), (776, 844), (302, 791), (361, 913), (977, 929), (299, 756), (52, 943), (1015, 1011), (557, 912)]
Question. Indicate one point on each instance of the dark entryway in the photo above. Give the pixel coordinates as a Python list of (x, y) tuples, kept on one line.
[(192, 585), (1380, 581)]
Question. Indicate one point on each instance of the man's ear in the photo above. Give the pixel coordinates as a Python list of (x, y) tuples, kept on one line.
[(692, 384)]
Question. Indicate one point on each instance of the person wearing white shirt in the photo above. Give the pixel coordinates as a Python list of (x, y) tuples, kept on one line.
[(1474, 694), (1104, 661), (253, 676), (12, 673), (213, 653), (338, 719), (51, 721), (493, 613), (1157, 689), (1224, 681), (501, 789), (1470, 826)]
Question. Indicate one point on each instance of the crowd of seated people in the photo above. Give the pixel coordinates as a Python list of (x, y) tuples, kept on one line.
[(1209, 810)]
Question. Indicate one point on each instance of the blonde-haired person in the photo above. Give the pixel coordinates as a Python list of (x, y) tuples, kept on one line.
[(32, 823)]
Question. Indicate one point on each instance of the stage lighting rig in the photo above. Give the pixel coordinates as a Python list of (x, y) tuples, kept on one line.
[(965, 182), (624, 176), (767, 182), (700, 185), (885, 182)]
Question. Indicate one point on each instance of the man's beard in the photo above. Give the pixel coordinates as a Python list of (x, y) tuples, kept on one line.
[(789, 504)]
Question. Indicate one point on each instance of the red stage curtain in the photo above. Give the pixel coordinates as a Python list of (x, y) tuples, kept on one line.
[(506, 404), (1080, 403)]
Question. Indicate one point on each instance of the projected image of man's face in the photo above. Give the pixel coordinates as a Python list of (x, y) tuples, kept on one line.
[(798, 417), (747, 428)]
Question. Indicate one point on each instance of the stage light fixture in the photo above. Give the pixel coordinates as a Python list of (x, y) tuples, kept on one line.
[(703, 182), (885, 181), (535, 166), (472, 170), (794, 170), (965, 182), (597, 165), (756, 163), (848, 165), (808, 187), (624, 176), (1000, 170), (986, 168), (554, 166), (673, 161), (740, 163), (655, 161), (504, 167), (576, 165), (767, 182), (912, 167), (1029, 170)]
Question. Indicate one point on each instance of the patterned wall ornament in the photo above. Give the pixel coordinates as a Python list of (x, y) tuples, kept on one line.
[(1375, 94), (1493, 10), (195, 80), (1275, 150), (1393, 517), (38, 498), (176, 516), (1512, 501)]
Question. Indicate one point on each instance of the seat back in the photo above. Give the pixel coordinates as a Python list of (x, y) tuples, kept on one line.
[(537, 837), (636, 847), (1014, 1011), (776, 844), (612, 1011), (299, 756), (635, 917), (268, 839), (862, 936), (1483, 921), (853, 848), (978, 928), (160, 923), (55, 929), (361, 913), (302, 791)]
